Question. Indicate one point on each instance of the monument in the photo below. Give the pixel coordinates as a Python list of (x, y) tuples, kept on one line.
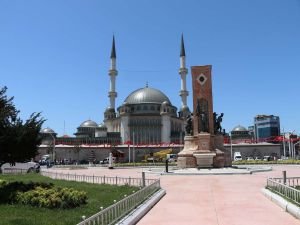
[(203, 141)]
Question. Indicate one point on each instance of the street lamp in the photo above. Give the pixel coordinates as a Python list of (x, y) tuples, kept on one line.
[(295, 148), (53, 150), (230, 134)]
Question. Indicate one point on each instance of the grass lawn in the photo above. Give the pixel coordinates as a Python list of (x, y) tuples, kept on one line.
[(98, 195)]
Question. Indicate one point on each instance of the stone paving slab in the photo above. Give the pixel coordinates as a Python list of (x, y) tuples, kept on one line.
[(219, 200), (211, 200)]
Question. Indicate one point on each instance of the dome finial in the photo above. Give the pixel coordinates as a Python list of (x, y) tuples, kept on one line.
[(113, 54), (182, 50)]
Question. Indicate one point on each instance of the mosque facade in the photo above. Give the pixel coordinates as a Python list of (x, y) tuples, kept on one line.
[(146, 116)]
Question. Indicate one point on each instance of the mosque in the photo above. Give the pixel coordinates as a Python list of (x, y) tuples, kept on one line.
[(146, 116)]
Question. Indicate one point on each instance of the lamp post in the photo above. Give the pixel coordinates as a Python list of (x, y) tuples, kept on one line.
[(133, 150), (295, 148), (283, 143), (53, 150), (230, 144), (129, 143)]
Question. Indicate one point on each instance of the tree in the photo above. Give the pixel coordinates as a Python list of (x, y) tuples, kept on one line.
[(19, 140)]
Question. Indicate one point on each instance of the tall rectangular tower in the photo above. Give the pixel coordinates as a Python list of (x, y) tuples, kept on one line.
[(202, 99)]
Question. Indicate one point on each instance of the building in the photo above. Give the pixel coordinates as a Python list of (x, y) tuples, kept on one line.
[(240, 134), (147, 115), (266, 127)]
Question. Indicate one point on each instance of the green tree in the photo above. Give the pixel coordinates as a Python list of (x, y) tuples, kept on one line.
[(19, 140)]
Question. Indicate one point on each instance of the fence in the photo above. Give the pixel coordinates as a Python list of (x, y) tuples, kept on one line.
[(286, 189), (14, 171), (115, 212), (138, 182)]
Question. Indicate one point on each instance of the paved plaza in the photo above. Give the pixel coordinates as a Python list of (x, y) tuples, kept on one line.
[(211, 199)]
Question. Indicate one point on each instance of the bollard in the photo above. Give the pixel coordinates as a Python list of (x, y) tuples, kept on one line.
[(284, 177), (143, 178), (167, 165)]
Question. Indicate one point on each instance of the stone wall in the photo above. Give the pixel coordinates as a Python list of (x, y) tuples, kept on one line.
[(71, 153), (255, 150)]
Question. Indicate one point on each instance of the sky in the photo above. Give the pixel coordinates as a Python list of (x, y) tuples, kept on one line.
[(55, 56)]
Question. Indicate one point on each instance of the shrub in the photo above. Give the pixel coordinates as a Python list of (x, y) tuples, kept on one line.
[(53, 198), (9, 191)]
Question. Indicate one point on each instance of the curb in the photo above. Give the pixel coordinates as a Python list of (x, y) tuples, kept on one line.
[(284, 204), (142, 210)]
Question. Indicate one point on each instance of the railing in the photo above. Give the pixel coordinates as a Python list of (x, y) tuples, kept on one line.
[(137, 164), (290, 181), (138, 182), (288, 189), (115, 212), (14, 171)]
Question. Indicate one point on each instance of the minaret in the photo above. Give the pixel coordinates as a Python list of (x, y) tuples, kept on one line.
[(112, 94), (183, 72)]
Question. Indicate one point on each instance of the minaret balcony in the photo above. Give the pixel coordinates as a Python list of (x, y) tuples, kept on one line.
[(183, 71), (183, 93), (113, 72), (112, 94)]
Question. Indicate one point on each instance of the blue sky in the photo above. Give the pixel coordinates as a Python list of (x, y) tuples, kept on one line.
[(54, 55)]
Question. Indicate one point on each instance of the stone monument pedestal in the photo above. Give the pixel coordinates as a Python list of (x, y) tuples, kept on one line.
[(203, 151), (205, 160)]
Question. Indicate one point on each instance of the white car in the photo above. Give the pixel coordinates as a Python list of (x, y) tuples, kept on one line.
[(106, 160), (249, 158), (20, 167)]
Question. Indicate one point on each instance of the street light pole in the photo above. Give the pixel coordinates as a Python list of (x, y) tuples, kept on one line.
[(133, 150), (53, 150), (295, 148), (230, 145), (283, 143)]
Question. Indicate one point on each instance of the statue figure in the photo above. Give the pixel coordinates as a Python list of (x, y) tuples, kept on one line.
[(201, 113), (203, 122), (189, 125), (215, 122), (218, 123)]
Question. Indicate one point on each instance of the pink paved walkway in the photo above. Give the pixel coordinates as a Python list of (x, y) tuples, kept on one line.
[(212, 199), (219, 200)]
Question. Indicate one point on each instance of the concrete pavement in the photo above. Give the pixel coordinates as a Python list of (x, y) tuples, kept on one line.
[(219, 200), (211, 199)]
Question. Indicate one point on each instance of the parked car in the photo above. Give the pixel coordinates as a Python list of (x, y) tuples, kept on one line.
[(237, 156), (257, 158), (249, 158), (25, 167), (267, 158), (106, 160)]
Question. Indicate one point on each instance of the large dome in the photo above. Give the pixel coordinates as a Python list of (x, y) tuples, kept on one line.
[(89, 123), (146, 95), (239, 128), (47, 131)]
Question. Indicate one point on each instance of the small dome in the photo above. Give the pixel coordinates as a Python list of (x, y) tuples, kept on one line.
[(47, 131), (185, 109), (89, 123), (102, 125), (146, 95), (166, 103), (109, 109), (239, 128)]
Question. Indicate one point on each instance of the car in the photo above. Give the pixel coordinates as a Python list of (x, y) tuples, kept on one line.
[(267, 158), (24, 167), (237, 156), (106, 160), (249, 158), (257, 158), (172, 157)]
